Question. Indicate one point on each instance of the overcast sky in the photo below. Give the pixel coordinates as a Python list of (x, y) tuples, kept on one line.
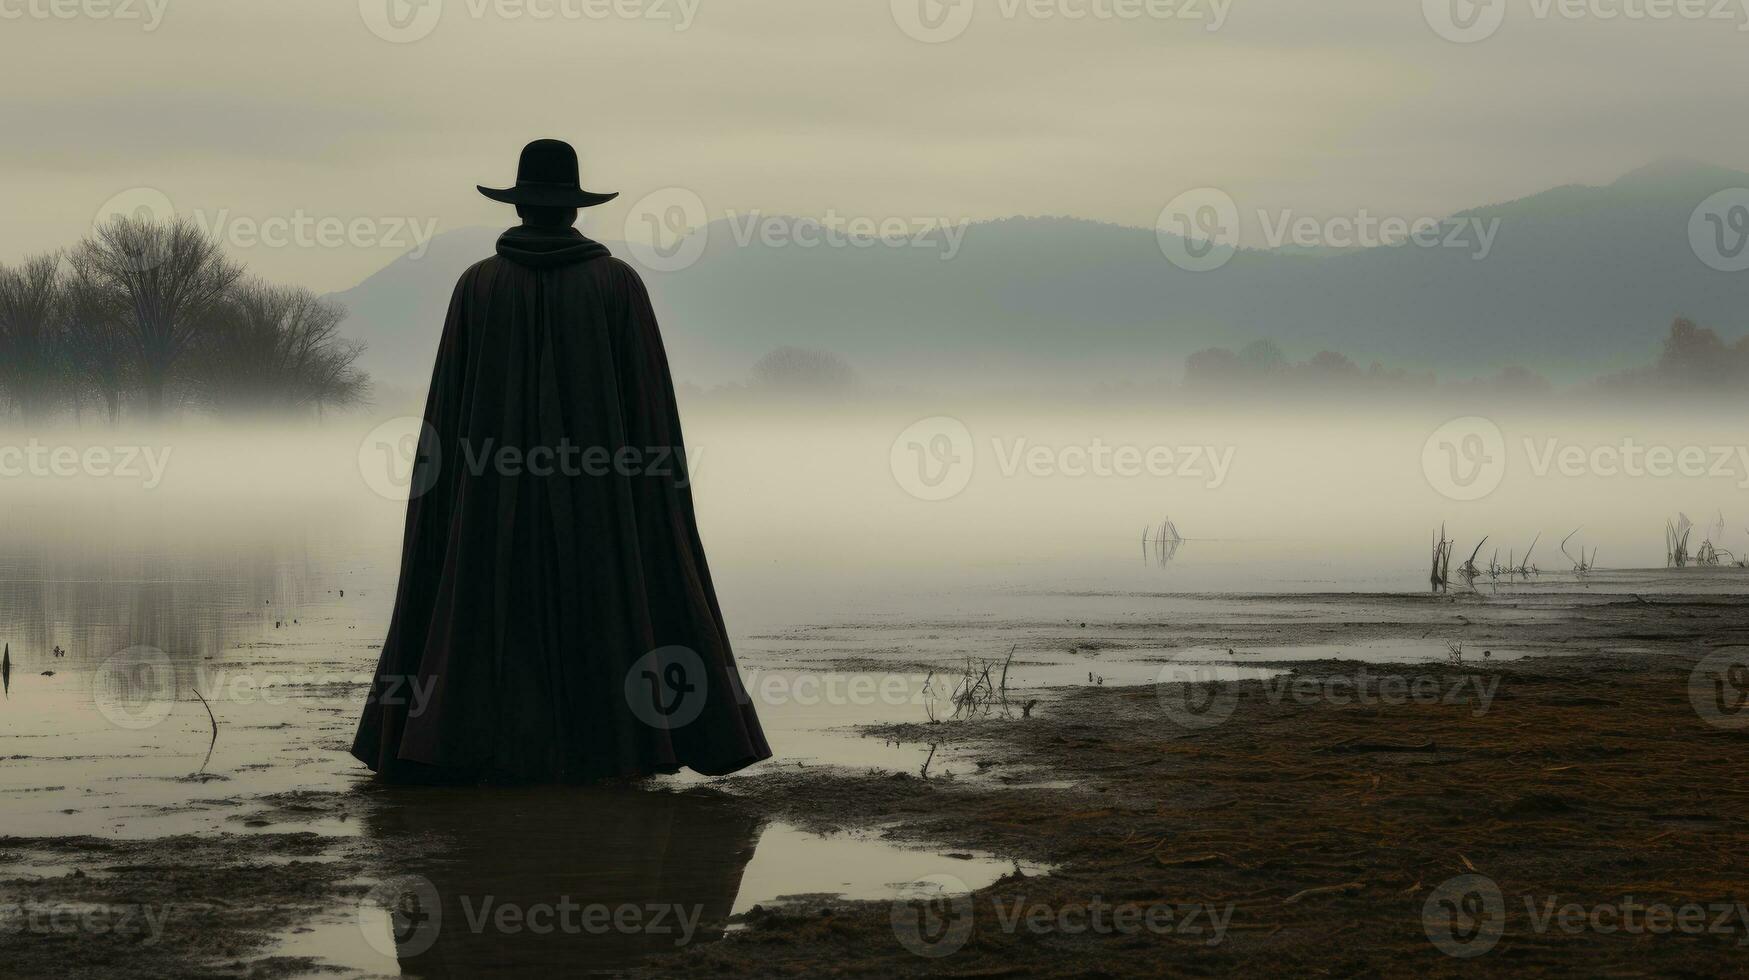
[(280, 108)]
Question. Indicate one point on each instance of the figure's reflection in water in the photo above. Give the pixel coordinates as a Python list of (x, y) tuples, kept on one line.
[(557, 881)]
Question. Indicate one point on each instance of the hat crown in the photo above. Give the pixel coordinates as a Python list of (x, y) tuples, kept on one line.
[(548, 162)]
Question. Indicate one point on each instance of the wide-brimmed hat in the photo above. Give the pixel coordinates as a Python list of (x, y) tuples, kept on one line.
[(547, 176)]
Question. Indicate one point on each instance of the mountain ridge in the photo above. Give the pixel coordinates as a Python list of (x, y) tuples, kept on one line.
[(1582, 279)]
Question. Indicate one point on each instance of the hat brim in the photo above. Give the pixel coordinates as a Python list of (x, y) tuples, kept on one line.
[(548, 197)]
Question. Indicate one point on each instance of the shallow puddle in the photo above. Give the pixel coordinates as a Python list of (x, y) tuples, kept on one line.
[(566, 881), (1368, 651)]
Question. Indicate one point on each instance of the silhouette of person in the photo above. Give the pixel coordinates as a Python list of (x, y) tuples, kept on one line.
[(555, 619)]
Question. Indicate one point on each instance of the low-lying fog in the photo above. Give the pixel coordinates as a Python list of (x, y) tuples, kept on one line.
[(816, 513)]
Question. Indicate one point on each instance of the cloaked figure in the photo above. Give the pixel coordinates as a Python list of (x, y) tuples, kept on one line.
[(555, 620)]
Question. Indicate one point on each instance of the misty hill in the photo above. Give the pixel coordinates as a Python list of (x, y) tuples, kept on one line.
[(1580, 281)]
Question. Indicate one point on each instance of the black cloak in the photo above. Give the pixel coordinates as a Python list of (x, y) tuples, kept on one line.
[(552, 576)]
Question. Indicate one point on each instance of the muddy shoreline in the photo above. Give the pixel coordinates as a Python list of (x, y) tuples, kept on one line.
[(1308, 829), (1324, 828)]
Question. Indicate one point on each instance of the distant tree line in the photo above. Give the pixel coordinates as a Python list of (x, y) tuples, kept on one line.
[(800, 370), (1262, 365), (148, 318), (1694, 359)]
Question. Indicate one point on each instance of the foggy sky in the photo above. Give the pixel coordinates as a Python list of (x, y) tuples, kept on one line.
[(282, 108)]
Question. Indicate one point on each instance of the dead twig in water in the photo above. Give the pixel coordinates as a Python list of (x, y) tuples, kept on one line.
[(215, 742), (1350, 886), (1441, 576), (1581, 565), (1676, 541), (1469, 569)]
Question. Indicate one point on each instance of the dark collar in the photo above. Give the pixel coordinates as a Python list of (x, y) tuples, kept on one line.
[(542, 247)]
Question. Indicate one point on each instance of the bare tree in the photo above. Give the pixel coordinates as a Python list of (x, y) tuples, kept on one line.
[(269, 348), (31, 364), (168, 279), (98, 344)]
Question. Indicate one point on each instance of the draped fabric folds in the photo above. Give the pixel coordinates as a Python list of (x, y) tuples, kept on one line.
[(552, 575)]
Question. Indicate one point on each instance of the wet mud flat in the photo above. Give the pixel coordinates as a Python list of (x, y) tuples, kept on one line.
[(1308, 816), (1578, 814)]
